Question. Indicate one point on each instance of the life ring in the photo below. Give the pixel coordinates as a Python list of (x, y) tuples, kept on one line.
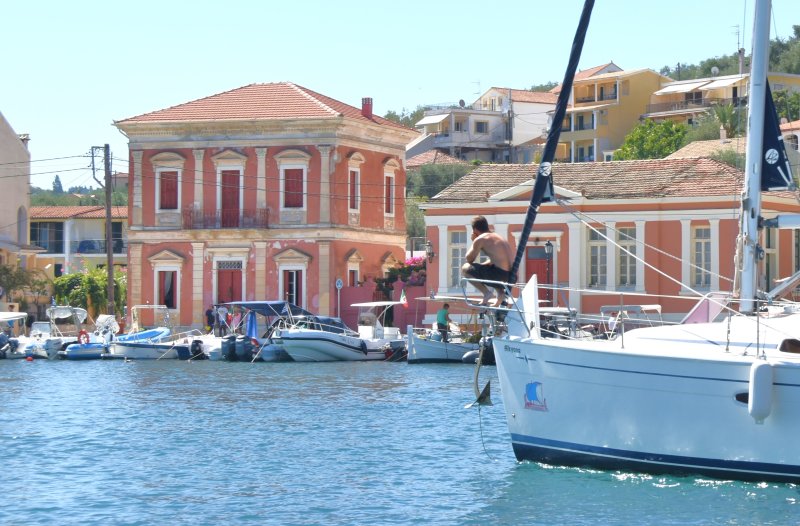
[(83, 337)]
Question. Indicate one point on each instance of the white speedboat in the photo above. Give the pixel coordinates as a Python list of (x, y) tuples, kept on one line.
[(148, 343), (91, 346), (327, 339), (62, 328), (426, 346), (10, 345), (718, 397)]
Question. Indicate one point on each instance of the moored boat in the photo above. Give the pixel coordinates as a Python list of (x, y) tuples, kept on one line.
[(717, 397)]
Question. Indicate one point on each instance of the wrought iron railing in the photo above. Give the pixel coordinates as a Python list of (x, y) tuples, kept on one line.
[(245, 218)]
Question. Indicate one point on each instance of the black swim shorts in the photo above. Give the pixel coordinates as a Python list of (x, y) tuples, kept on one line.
[(488, 272)]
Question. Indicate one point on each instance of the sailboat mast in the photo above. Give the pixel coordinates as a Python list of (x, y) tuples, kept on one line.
[(543, 185), (751, 199)]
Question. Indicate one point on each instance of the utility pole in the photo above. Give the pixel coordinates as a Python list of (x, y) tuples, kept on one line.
[(109, 246)]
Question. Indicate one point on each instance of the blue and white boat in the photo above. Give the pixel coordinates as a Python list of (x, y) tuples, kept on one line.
[(151, 343)]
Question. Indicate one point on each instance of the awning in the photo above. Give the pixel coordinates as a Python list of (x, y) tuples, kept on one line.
[(683, 87), (722, 83), (578, 109), (432, 119)]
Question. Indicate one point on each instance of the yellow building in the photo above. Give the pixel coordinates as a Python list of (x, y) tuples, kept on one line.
[(686, 100), (604, 109)]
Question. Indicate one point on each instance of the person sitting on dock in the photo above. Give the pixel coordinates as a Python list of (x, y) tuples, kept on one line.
[(497, 268)]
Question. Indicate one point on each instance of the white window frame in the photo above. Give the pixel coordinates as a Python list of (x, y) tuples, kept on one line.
[(215, 260), (357, 188), (485, 124), (159, 171), (157, 267), (304, 283), (626, 238), (597, 262), (231, 168), (283, 168), (701, 254), (456, 252), (388, 180)]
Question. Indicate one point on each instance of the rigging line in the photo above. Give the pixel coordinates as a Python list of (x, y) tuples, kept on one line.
[(578, 215)]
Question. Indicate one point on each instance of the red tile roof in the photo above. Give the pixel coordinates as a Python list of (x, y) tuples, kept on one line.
[(644, 179), (273, 101), (790, 126), (76, 212), (432, 157), (585, 74)]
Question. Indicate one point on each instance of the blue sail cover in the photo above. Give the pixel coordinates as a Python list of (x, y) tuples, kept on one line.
[(776, 173)]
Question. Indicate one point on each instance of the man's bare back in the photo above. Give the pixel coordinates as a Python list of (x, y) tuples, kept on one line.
[(495, 247)]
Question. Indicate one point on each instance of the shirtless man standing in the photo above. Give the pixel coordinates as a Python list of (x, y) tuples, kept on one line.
[(497, 268)]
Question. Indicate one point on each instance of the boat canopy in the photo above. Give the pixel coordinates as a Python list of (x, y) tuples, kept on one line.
[(12, 316), (62, 312), (269, 308)]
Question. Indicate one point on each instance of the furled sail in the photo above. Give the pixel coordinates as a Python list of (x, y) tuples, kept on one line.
[(776, 172), (543, 187)]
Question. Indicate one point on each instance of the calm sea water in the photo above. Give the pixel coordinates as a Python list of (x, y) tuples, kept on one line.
[(173, 442)]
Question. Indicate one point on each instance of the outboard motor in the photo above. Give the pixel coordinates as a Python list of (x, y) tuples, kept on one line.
[(196, 351), (4, 345), (228, 347), (244, 349)]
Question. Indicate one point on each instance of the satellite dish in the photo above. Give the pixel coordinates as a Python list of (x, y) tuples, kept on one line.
[(714, 71), (461, 103)]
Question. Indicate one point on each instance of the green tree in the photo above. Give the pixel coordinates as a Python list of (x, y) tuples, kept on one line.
[(415, 218), (89, 290), (57, 188), (430, 179), (730, 118), (547, 86), (407, 118), (651, 140), (729, 157), (787, 104), (705, 129), (14, 280)]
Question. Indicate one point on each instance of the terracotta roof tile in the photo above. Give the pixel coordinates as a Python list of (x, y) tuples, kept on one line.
[(711, 147), (584, 74), (272, 101), (657, 178), (76, 212), (432, 157), (790, 126)]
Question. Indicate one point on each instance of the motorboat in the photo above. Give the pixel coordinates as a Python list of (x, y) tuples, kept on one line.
[(9, 344), (63, 327), (146, 343), (715, 395), (328, 339), (92, 346)]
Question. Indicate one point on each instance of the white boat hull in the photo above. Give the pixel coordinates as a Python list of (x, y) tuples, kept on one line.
[(666, 399), (150, 351), (308, 345), (427, 350)]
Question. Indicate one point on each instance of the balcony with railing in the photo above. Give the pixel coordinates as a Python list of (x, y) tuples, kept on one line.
[(692, 105), (216, 219), (98, 246)]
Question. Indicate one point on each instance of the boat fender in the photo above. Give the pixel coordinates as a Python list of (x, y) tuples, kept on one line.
[(363, 346), (759, 404), (83, 337)]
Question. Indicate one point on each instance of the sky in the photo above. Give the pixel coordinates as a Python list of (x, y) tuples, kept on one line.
[(70, 69)]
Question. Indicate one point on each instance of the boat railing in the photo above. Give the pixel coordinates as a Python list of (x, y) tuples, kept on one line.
[(185, 336)]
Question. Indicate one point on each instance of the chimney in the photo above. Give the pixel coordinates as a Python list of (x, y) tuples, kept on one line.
[(25, 138), (366, 107)]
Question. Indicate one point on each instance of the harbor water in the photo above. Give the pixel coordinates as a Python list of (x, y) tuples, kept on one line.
[(176, 442)]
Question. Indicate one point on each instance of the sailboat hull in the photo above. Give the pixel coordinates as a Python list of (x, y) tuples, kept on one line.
[(626, 404)]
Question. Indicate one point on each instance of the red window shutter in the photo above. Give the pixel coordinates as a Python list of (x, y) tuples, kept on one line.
[(293, 188), (169, 190), (388, 206), (353, 190)]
